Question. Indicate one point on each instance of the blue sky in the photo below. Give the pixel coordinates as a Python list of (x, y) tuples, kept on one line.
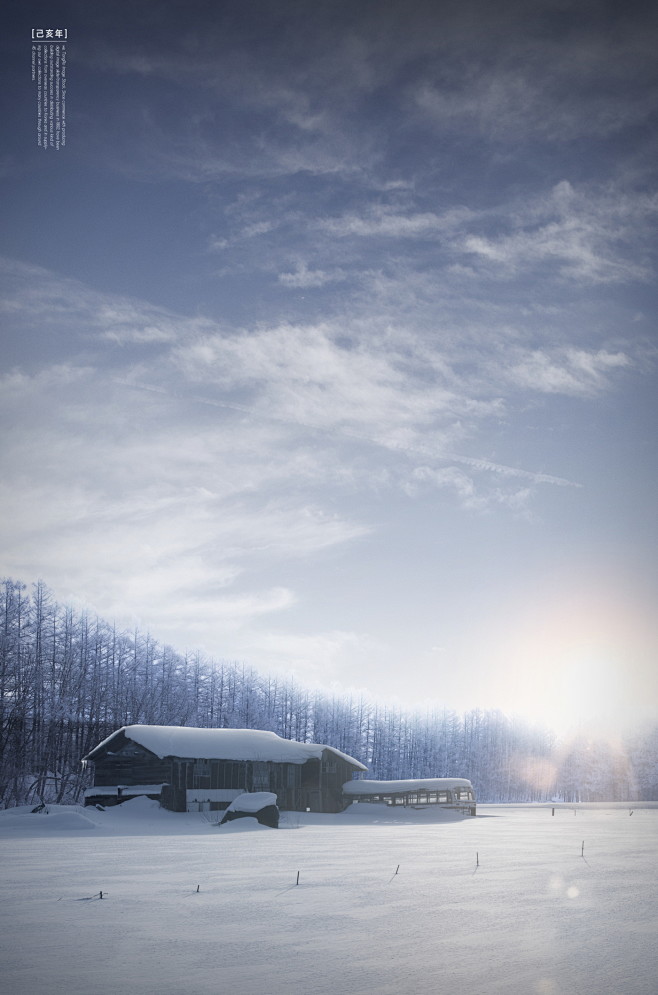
[(329, 342)]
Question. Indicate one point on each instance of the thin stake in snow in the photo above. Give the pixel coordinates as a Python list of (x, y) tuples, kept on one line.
[(477, 859), (582, 849), (297, 877), (396, 870), (198, 888), (100, 895)]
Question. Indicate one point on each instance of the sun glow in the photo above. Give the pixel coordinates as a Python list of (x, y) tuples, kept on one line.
[(580, 663)]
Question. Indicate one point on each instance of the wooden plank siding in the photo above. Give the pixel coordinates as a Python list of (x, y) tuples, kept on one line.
[(129, 763), (248, 775)]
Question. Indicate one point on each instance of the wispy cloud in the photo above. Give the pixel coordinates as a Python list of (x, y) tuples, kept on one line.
[(302, 277), (545, 84), (315, 654), (598, 235), (389, 223), (391, 389), (41, 300), (586, 235), (337, 100), (476, 498), (575, 371)]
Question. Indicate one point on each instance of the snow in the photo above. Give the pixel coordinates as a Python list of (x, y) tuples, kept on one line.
[(253, 801), (389, 902), (223, 744), (363, 787)]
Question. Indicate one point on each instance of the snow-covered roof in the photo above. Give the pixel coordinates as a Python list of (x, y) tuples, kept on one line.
[(252, 801), (222, 744), (402, 787)]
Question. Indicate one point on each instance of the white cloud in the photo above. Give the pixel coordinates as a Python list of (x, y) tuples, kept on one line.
[(591, 83), (326, 398), (42, 300), (314, 654), (586, 235), (152, 506), (303, 277), (472, 496), (389, 223), (569, 371)]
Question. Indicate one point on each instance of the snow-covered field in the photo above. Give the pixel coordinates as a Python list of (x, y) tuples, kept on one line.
[(190, 908)]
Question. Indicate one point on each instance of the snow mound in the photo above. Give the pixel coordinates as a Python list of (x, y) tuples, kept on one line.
[(243, 826), (378, 812), (252, 801), (138, 805), (67, 821), (54, 819)]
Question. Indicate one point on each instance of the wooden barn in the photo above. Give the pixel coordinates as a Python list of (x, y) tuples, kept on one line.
[(190, 769)]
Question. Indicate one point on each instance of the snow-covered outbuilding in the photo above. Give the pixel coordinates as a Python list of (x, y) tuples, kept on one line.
[(449, 792), (191, 769)]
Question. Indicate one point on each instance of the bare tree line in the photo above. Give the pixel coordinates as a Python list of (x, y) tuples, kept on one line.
[(68, 679)]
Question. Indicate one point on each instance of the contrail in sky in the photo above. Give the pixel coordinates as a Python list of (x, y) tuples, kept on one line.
[(475, 462)]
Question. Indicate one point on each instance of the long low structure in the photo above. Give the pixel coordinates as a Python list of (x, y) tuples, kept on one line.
[(190, 769), (449, 792)]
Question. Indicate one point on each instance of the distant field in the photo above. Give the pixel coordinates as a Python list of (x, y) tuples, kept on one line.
[(397, 903)]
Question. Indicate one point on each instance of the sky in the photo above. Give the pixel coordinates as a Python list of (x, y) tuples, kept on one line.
[(329, 342)]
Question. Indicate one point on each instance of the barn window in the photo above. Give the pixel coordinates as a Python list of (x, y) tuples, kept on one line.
[(201, 774), (261, 776)]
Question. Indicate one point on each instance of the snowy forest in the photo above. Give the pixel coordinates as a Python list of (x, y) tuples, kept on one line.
[(68, 679)]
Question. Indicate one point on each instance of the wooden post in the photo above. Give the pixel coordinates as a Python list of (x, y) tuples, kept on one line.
[(582, 849), (297, 877), (553, 812)]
